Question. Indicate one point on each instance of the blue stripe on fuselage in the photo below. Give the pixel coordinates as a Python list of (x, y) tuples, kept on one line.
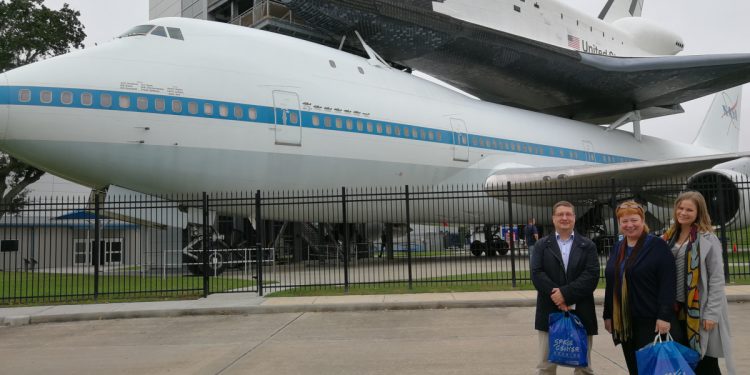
[(222, 110)]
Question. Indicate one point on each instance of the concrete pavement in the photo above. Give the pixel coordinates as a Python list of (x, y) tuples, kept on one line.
[(250, 303), (451, 341)]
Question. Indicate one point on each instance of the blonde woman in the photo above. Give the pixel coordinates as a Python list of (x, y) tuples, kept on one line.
[(639, 296), (701, 320)]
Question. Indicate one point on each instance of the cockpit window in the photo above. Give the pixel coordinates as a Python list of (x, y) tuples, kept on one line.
[(138, 30), (175, 33), (159, 31)]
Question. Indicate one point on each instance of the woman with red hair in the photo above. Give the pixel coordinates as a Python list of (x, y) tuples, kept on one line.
[(640, 291)]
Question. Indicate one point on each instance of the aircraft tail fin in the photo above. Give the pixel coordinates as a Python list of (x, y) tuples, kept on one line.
[(616, 9), (721, 127)]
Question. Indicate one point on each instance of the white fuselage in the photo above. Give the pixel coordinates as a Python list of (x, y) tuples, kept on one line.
[(273, 113), (555, 23)]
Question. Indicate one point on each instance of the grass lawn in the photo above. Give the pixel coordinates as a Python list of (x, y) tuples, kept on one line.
[(28, 287), (478, 282), (483, 282)]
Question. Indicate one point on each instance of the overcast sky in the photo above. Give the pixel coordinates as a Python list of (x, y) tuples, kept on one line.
[(717, 26)]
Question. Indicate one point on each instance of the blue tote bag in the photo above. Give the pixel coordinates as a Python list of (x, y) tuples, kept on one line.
[(666, 357), (568, 341)]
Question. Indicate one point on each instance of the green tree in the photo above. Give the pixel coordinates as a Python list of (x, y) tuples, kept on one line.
[(29, 32)]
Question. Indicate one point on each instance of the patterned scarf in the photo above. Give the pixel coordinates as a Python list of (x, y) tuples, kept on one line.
[(692, 278), (621, 323)]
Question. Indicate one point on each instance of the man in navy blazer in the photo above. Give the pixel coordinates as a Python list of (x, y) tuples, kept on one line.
[(565, 272)]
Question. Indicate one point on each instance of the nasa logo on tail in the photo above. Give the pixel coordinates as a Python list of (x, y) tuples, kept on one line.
[(730, 110)]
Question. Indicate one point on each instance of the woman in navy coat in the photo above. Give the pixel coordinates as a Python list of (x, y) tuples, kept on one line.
[(640, 293)]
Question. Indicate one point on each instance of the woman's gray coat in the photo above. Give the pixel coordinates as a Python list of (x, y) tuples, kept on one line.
[(717, 342)]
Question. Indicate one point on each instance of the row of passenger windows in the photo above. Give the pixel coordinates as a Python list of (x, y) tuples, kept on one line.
[(176, 106), (378, 128), (142, 103)]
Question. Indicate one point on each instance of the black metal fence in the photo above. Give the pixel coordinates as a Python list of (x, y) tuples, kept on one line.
[(110, 247)]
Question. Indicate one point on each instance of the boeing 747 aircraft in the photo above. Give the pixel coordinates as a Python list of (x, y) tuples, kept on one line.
[(540, 55), (182, 105)]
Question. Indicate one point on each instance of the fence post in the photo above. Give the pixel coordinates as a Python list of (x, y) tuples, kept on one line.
[(512, 237), (408, 239), (615, 228), (723, 230), (346, 239), (97, 239), (258, 244), (206, 238)]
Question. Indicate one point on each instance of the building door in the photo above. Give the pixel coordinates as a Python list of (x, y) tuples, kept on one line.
[(288, 118), (460, 140)]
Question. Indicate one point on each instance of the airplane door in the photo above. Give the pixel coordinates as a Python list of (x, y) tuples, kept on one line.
[(588, 148), (460, 140), (288, 118)]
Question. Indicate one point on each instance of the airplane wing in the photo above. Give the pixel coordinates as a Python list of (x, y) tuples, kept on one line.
[(648, 179), (512, 70)]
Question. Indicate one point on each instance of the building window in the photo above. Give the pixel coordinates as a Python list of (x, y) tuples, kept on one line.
[(176, 106), (223, 110), (24, 96), (142, 103), (124, 101), (193, 108), (79, 252), (159, 104), (87, 99), (45, 96), (8, 246), (105, 100)]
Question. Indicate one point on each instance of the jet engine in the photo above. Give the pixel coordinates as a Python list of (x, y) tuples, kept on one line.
[(726, 188)]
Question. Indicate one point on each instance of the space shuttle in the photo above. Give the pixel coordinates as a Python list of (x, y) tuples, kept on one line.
[(177, 106), (539, 55)]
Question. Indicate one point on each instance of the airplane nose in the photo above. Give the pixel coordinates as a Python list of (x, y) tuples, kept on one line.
[(4, 105)]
